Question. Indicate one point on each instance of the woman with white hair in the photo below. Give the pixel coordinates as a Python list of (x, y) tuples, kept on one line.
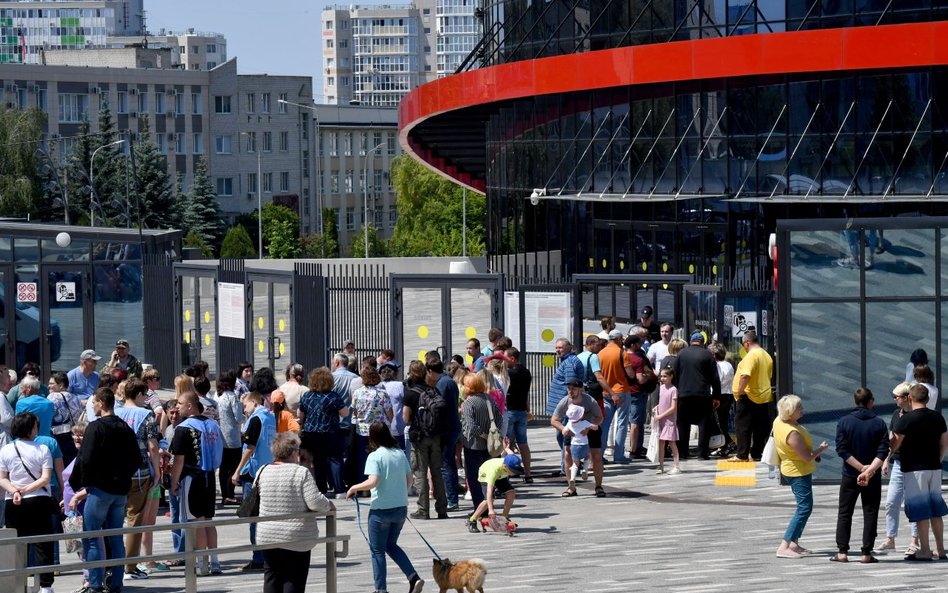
[(892, 467), (797, 463)]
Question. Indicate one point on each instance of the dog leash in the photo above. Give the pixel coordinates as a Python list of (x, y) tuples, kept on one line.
[(359, 521)]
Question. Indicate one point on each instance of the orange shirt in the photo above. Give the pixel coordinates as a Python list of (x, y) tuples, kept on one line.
[(287, 422), (612, 361)]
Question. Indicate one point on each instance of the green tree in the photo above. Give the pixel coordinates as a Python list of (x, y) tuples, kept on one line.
[(322, 245), (281, 224), (237, 243), (378, 247), (430, 213), (109, 169), (196, 241), (201, 213), (77, 174), (282, 244), (21, 188), (152, 184)]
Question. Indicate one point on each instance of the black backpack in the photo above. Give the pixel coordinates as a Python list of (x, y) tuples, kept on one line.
[(431, 416), (591, 383)]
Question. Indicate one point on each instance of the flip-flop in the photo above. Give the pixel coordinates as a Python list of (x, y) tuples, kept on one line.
[(836, 558), (913, 558), (600, 493), (568, 492), (943, 556), (871, 560)]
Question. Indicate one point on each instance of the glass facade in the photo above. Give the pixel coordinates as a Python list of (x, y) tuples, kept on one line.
[(861, 296)]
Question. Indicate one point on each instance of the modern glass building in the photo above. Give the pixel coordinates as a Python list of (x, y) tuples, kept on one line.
[(669, 137)]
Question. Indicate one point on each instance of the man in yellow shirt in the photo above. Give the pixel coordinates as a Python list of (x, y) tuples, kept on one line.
[(754, 395)]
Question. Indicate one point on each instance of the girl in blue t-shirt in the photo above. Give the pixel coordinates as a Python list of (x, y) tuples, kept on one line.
[(388, 478)]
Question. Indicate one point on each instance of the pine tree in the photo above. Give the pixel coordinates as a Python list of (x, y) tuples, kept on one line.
[(152, 184), (202, 214), (109, 169), (77, 174), (237, 243)]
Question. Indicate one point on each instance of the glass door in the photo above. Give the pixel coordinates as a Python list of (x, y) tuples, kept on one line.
[(67, 315), (272, 325)]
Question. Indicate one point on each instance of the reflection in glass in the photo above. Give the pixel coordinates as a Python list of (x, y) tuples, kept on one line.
[(6, 252), (64, 292), (208, 323), (3, 318), (75, 251), (901, 327), (282, 324), (29, 345), (260, 330), (118, 307), (421, 328), (821, 264), (189, 316), (906, 267), (26, 250), (470, 318)]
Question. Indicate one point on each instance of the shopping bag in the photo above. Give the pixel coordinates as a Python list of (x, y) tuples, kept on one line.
[(653, 444)]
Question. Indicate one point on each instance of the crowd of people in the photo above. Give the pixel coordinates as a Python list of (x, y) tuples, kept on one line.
[(436, 431)]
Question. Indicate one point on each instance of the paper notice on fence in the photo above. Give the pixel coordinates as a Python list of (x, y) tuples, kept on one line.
[(230, 310), (512, 317), (548, 317)]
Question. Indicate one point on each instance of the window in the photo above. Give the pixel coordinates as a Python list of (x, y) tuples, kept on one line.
[(330, 81), (329, 44), (222, 104), (391, 143), (251, 141), (268, 183), (379, 217), (377, 139), (122, 105), (211, 48), (41, 100), (183, 182), (196, 103), (283, 98), (251, 102), (179, 104), (143, 103), (267, 141), (159, 102), (284, 141), (306, 163), (179, 145), (377, 182), (285, 181), (182, 50), (225, 186), (328, 26), (197, 143), (333, 144), (211, 65), (21, 100), (350, 219), (334, 182), (73, 108), (222, 144), (252, 183), (392, 216), (347, 144), (162, 143), (265, 103), (363, 143), (348, 181), (195, 49)]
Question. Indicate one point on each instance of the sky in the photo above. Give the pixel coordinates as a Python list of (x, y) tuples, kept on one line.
[(266, 36)]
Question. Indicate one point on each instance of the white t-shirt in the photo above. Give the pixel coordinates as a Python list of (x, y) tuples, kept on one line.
[(656, 352), (932, 396), (577, 428), (726, 374), (35, 456)]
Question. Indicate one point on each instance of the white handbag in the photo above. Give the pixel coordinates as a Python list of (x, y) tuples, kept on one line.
[(770, 455)]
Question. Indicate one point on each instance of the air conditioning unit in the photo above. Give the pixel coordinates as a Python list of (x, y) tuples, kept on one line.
[(133, 91), (95, 90)]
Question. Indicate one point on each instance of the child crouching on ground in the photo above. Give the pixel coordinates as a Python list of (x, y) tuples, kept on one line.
[(494, 475)]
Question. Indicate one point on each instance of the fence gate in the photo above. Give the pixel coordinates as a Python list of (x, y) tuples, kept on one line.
[(442, 312), (624, 295)]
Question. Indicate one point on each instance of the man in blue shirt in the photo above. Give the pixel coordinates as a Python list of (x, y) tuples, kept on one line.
[(569, 368), (31, 401), (83, 380)]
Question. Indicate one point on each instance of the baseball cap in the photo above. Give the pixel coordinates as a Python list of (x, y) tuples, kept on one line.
[(697, 337), (647, 311), (390, 363), (123, 343), (574, 382), (615, 334), (277, 397), (89, 355), (513, 462)]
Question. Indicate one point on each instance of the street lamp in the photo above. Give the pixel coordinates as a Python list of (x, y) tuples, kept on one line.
[(365, 187), (92, 179), (259, 196), (319, 205)]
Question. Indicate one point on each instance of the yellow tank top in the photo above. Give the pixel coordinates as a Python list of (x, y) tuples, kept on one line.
[(790, 463)]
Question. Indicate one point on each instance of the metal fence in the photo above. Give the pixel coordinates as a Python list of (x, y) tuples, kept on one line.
[(160, 348), (14, 580), (359, 309)]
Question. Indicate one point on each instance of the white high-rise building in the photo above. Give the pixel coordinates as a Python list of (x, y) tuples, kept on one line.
[(27, 29), (375, 55)]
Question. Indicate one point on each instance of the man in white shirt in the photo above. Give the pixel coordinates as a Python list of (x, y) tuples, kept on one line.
[(659, 350)]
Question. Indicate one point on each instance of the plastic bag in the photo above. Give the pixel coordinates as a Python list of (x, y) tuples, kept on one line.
[(72, 524), (653, 444)]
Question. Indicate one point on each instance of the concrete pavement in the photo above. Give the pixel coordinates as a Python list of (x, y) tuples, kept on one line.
[(681, 534)]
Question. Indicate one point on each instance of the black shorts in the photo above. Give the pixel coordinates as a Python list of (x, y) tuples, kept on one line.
[(198, 495), (501, 487), (595, 438)]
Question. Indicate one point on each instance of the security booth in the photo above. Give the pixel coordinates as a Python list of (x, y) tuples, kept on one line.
[(64, 289)]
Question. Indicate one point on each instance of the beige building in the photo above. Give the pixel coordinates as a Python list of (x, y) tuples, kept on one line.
[(191, 50)]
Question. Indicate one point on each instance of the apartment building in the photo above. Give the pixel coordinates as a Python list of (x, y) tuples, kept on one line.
[(375, 55), (192, 50), (28, 29), (355, 147)]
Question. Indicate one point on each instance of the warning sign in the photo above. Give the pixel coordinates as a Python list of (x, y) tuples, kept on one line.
[(65, 292), (26, 292)]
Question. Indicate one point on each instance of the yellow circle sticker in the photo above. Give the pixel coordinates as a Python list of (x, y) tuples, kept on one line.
[(622, 264), (282, 325), (260, 346), (592, 263), (187, 314), (603, 263), (207, 339), (421, 355), (714, 269), (282, 349), (665, 266), (207, 317), (691, 268), (469, 359), (260, 322), (187, 337), (470, 333), (548, 361), (422, 332), (547, 335), (644, 266)]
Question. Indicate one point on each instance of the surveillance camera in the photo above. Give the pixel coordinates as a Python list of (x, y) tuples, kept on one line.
[(538, 191), (534, 200)]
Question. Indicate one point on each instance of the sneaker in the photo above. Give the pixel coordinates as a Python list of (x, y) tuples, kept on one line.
[(528, 479), (252, 567), (585, 473), (467, 495), (136, 574), (453, 507), (416, 584), (216, 568), (50, 590), (419, 514), (472, 526)]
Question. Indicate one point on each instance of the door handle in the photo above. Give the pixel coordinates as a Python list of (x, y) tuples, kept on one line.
[(277, 342)]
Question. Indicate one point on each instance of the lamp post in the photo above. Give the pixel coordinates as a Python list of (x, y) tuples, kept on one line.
[(319, 205), (92, 179), (259, 196), (365, 187)]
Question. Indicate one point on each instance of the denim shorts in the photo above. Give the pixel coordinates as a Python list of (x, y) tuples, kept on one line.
[(517, 425), (579, 452), (923, 499)]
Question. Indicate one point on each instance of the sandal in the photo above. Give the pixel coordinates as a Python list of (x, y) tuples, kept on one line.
[(569, 492), (600, 493), (869, 559), (836, 558), (913, 557)]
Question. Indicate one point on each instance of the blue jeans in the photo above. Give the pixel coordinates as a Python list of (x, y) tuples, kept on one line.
[(637, 405), (610, 410), (384, 527), (622, 418), (246, 484), (449, 468), (104, 511), (893, 501), (517, 425), (802, 488), (177, 535)]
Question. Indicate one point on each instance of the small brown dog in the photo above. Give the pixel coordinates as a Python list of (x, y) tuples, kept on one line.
[(466, 574)]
